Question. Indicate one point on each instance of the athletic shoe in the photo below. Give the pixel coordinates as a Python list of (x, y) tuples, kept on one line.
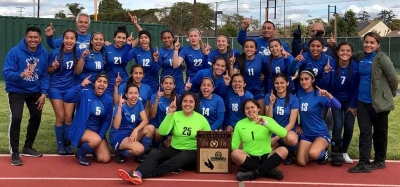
[(323, 160), (68, 151), (347, 159), (377, 165), (16, 160), (130, 176), (119, 158), (82, 159), (245, 176), (29, 151), (361, 168), (289, 160), (61, 151), (139, 159), (274, 174)]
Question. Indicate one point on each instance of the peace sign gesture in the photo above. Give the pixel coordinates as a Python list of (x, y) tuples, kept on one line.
[(327, 67), (172, 107), (156, 55)]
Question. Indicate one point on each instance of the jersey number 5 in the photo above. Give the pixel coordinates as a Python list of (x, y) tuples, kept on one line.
[(187, 131)]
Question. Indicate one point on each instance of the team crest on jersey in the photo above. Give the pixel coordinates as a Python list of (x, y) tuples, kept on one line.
[(31, 64), (265, 51), (325, 49), (83, 45)]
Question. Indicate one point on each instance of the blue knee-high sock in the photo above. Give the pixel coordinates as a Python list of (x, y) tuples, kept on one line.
[(322, 155), (85, 149), (125, 153), (146, 142), (292, 149), (66, 130), (59, 136)]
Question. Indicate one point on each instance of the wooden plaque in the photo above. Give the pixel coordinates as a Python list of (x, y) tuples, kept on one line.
[(214, 151)]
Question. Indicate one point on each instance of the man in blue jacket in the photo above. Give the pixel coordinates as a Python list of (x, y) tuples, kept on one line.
[(27, 81)]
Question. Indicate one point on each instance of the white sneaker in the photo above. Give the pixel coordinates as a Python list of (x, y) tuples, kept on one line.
[(347, 159)]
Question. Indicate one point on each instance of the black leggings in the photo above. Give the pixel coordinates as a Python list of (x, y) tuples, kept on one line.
[(165, 160)]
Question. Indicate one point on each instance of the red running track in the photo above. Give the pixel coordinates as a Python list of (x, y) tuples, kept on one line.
[(65, 171)]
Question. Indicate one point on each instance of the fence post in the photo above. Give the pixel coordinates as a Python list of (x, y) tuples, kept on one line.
[(390, 38)]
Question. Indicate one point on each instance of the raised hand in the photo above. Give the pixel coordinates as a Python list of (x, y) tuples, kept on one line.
[(232, 60), (159, 93), (272, 98), (121, 101), (156, 55), (300, 57), (86, 81), (49, 31), (188, 85), (332, 41), (323, 92), (327, 67), (227, 78), (172, 107), (55, 63), (85, 53), (130, 39), (134, 19), (246, 23), (118, 80), (177, 45), (284, 53)]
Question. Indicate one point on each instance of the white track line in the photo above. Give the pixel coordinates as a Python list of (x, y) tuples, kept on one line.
[(198, 180), (56, 155)]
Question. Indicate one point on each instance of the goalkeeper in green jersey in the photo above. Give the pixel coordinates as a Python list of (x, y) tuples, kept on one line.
[(256, 158)]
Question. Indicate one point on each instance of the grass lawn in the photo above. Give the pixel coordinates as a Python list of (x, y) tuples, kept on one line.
[(45, 141)]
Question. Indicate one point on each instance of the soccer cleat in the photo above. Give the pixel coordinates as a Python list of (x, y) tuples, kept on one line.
[(289, 160), (16, 160), (68, 151), (323, 160), (61, 151), (130, 176), (245, 176), (119, 158), (82, 159), (28, 151)]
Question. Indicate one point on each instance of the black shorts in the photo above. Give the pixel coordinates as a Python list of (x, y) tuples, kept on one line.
[(254, 162)]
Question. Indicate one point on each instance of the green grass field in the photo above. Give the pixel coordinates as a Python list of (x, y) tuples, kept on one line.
[(45, 141)]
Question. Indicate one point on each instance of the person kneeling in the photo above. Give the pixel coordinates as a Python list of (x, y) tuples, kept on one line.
[(182, 152), (130, 126), (256, 158), (92, 119)]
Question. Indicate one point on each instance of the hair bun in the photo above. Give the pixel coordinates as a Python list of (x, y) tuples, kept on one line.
[(122, 27)]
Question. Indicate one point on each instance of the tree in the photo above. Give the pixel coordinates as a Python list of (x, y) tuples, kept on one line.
[(364, 16), (74, 8), (60, 15), (395, 25), (386, 16), (110, 6), (346, 24), (228, 29), (184, 16), (237, 19)]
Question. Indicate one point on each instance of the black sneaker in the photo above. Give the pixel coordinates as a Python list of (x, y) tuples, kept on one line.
[(323, 160), (245, 176), (378, 165), (16, 160), (361, 168), (139, 159), (119, 158), (28, 151), (274, 174), (289, 160)]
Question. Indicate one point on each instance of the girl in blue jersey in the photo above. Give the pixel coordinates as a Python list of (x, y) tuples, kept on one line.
[(278, 62), (130, 134), (283, 107), (195, 55), (148, 57), (92, 60), (92, 119), (61, 80), (344, 79), (211, 105), (223, 50), (159, 103), (216, 74), (137, 74), (166, 54), (249, 64), (314, 133), (115, 63), (234, 99), (378, 85), (315, 60)]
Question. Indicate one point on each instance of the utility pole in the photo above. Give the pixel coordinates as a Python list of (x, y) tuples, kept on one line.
[(20, 10), (95, 10), (329, 11), (335, 20), (216, 18), (284, 17), (34, 8), (38, 8)]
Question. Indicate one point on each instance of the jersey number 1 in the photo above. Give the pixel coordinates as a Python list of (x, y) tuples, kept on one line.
[(252, 135)]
